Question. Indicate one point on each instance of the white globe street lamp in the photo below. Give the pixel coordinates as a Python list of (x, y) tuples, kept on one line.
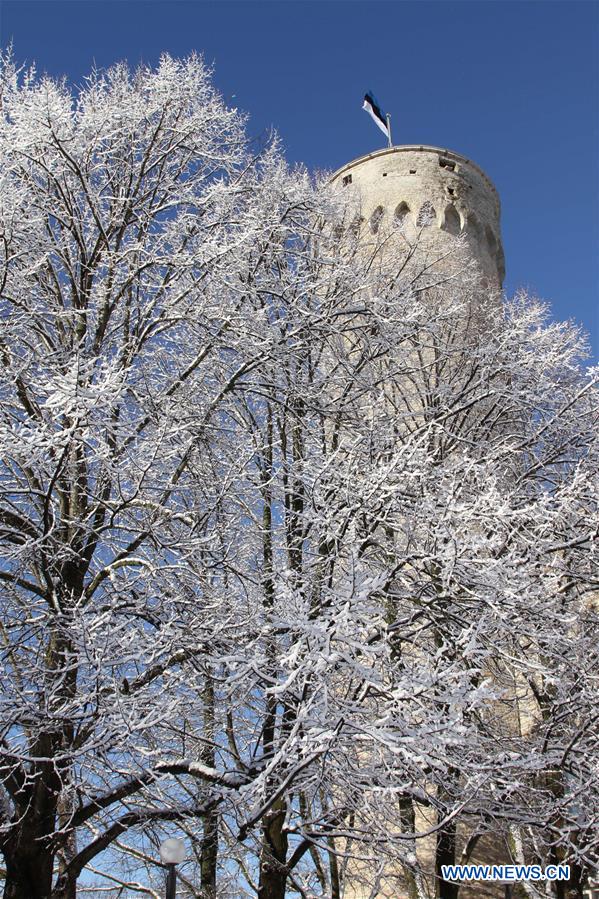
[(172, 852)]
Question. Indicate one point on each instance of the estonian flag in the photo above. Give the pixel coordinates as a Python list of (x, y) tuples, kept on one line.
[(376, 113)]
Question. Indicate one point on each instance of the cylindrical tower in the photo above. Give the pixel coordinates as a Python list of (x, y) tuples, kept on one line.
[(442, 205), (417, 187)]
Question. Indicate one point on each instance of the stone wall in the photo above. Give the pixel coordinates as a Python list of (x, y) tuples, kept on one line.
[(418, 187), (443, 204)]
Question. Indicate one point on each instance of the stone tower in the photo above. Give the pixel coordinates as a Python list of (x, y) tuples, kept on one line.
[(415, 187), (445, 204)]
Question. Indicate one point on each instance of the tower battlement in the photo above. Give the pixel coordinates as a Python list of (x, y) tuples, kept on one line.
[(415, 187)]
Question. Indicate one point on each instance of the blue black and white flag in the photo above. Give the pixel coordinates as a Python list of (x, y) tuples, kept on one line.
[(376, 113)]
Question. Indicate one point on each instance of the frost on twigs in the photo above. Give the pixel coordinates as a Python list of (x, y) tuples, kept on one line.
[(298, 537)]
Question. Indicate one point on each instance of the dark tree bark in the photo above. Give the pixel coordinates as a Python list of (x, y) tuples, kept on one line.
[(209, 841), (28, 873), (273, 855), (29, 851), (273, 851), (209, 855), (445, 854)]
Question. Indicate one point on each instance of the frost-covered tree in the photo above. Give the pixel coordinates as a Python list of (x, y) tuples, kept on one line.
[(121, 209), (297, 532)]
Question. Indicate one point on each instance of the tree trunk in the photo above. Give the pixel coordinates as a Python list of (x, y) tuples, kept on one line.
[(273, 851), (28, 873), (209, 842), (66, 887), (445, 855), (273, 870), (29, 850), (334, 872), (209, 854), (407, 817)]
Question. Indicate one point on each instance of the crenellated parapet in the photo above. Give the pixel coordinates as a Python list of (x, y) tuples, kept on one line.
[(413, 188)]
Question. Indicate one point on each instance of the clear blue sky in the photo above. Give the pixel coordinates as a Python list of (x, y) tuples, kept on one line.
[(513, 84)]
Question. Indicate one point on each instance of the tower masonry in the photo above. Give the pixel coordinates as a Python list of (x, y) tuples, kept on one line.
[(411, 188), (446, 204)]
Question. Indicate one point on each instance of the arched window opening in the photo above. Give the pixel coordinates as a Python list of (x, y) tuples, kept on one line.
[(452, 221), (491, 240), (402, 213), (376, 218), (427, 215)]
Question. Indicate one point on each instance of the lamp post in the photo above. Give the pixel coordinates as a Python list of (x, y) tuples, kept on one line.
[(172, 853)]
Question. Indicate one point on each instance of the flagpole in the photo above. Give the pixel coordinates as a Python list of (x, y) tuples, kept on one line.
[(389, 129)]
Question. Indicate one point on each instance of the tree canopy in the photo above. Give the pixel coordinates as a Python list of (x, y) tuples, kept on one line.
[(298, 533)]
